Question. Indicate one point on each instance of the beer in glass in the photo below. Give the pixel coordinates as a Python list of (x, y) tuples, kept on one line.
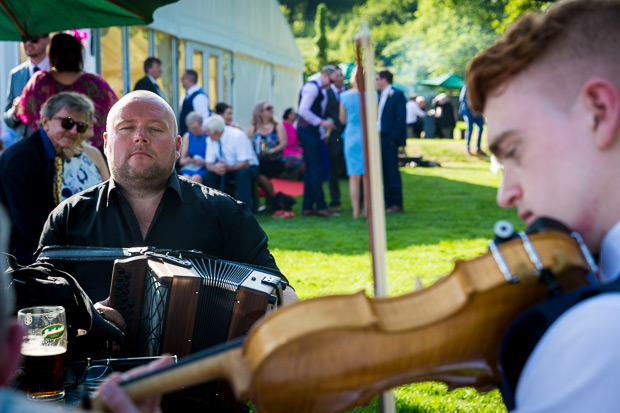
[(44, 348)]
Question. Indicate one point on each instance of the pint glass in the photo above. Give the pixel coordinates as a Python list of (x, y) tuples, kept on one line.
[(44, 348)]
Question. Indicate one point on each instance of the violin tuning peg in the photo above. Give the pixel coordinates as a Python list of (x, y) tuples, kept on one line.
[(504, 231), (418, 284)]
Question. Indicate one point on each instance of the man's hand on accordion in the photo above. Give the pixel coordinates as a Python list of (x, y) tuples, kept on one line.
[(111, 315)]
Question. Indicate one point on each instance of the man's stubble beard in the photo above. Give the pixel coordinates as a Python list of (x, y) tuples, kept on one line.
[(152, 178)]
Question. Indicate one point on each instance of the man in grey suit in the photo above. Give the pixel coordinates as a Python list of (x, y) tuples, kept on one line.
[(36, 50)]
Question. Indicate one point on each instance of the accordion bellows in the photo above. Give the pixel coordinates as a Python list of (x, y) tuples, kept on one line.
[(181, 306)]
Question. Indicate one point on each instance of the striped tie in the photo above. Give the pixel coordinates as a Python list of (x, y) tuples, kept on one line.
[(57, 185)]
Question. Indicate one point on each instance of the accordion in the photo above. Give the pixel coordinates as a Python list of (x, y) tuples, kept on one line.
[(184, 304)]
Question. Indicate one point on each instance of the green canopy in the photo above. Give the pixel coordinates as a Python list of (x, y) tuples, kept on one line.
[(27, 18), (449, 80)]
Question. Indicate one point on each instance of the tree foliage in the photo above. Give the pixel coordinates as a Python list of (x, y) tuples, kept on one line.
[(320, 27), (414, 38)]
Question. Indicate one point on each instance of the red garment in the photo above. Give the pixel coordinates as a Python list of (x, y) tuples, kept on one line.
[(293, 148), (42, 86)]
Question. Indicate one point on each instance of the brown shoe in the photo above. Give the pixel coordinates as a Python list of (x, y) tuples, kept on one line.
[(481, 152), (308, 212), (394, 209), (324, 213)]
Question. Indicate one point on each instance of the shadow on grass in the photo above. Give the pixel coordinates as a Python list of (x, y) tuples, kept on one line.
[(436, 209)]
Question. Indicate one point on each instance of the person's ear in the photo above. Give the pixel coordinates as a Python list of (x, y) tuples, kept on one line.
[(602, 103), (44, 123), (10, 351), (179, 143)]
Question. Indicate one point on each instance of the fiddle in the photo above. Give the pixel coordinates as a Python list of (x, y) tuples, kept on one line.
[(332, 353)]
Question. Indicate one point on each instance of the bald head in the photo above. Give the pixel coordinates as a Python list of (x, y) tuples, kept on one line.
[(141, 96), (141, 141)]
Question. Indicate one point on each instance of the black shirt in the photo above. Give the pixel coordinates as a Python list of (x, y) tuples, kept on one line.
[(189, 216)]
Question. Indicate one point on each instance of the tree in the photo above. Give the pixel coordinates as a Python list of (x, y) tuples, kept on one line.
[(320, 27)]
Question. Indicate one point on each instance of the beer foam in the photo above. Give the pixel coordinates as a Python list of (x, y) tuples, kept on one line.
[(42, 351)]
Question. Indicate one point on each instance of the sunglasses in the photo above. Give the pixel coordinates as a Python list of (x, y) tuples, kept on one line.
[(68, 124), (268, 108), (34, 39)]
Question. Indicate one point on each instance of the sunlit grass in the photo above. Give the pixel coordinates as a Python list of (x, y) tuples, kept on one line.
[(449, 214)]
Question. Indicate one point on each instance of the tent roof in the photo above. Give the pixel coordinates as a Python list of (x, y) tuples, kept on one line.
[(255, 29), (446, 80)]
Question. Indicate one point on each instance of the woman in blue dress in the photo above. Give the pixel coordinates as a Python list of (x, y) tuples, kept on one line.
[(353, 143), (194, 149)]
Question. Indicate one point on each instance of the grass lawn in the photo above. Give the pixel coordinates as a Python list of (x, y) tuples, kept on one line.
[(449, 214)]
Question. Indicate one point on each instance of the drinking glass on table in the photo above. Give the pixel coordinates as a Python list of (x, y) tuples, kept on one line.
[(44, 349)]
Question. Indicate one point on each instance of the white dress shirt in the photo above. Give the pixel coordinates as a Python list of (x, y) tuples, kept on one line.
[(575, 367), (234, 147), (309, 92), (42, 65), (200, 102), (414, 112)]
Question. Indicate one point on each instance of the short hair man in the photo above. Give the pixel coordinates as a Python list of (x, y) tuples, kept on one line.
[(35, 48), (195, 99), (392, 127), (335, 145), (550, 90), (145, 203), (230, 156), (152, 71), (30, 169), (312, 105)]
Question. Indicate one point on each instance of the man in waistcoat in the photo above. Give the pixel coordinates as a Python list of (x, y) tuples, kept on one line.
[(195, 99), (560, 153), (36, 49), (312, 126), (335, 146)]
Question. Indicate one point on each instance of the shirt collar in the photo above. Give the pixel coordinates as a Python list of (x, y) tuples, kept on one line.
[(151, 78), (171, 185), (610, 255), (50, 152), (192, 89), (335, 89), (42, 65), (387, 90)]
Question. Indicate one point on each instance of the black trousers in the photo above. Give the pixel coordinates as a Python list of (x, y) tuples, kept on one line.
[(335, 152)]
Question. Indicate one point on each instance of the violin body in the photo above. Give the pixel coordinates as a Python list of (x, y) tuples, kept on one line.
[(332, 353)]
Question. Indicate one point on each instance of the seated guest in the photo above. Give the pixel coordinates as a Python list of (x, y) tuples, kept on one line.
[(31, 171), (225, 110), (230, 158), (269, 139), (293, 154), (67, 75), (146, 203), (194, 149)]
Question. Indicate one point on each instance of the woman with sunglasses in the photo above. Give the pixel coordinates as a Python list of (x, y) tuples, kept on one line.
[(67, 75), (269, 139)]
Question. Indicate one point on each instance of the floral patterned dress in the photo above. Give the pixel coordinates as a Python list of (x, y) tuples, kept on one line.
[(42, 86)]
